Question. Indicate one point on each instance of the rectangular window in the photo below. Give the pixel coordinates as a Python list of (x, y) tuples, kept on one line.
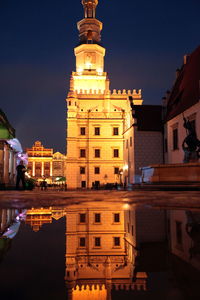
[(97, 218), (97, 153), (132, 230), (115, 131), (116, 170), (82, 218), (97, 131), (97, 242), (83, 184), (126, 144), (179, 236), (116, 241), (131, 141), (82, 242), (116, 152), (82, 153), (175, 139), (82, 130), (96, 170), (116, 218), (82, 170)]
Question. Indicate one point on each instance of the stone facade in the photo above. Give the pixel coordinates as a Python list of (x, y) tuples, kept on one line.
[(96, 117)]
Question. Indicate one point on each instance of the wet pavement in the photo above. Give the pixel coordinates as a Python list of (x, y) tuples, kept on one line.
[(165, 198), (99, 245)]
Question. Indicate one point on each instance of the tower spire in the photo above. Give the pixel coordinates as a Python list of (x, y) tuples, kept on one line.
[(90, 8), (89, 27)]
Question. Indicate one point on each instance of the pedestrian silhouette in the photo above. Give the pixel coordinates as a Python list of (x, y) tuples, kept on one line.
[(20, 175)]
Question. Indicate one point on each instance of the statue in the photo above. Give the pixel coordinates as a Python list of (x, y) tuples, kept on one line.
[(191, 144)]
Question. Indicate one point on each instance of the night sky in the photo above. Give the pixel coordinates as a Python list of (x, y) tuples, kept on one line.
[(145, 42)]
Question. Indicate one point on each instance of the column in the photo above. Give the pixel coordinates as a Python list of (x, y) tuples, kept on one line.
[(51, 168), (42, 169), (33, 169)]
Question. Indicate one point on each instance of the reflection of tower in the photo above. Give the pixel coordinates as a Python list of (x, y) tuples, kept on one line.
[(36, 217), (100, 251), (96, 116)]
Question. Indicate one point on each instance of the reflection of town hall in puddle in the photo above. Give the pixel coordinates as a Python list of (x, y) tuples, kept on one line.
[(100, 248), (110, 249)]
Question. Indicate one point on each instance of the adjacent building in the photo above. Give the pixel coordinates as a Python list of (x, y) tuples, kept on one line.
[(143, 141), (96, 116), (182, 101), (9, 148), (43, 163)]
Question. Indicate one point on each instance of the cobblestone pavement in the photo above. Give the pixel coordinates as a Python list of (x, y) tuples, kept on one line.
[(37, 198)]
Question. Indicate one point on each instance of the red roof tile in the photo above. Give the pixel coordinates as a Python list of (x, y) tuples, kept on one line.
[(186, 90)]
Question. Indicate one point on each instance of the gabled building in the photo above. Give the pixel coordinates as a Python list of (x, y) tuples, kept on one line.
[(43, 163), (182, 101)]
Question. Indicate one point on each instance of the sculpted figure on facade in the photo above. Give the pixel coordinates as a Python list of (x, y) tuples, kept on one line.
[(191, 144)]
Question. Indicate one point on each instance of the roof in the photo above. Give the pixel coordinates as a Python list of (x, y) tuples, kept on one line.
[(9, 131), (149, 117), (186, 90)]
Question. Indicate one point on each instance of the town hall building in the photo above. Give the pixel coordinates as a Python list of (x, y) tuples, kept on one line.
[(96, 116)]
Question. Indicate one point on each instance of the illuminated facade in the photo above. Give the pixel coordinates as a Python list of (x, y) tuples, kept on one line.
[(37, 217), (96, 117), (43, 163), (101, 251)]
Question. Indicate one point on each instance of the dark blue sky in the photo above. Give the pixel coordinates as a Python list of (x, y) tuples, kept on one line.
[(145, 42)]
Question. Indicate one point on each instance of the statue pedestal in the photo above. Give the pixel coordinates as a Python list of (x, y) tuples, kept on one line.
[(172, 173)]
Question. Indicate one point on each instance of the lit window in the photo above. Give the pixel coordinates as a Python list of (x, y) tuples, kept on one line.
[(96, 170), (82, 130), (97, 153), (97, 130), (82, 170), (97, 218), (97, 242), (116, 218), (82, 153), (115, 131), (82, 218), (82, 242), (116, 152), (117, 241)]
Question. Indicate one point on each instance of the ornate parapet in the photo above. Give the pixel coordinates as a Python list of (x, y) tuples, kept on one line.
[(133, 95)]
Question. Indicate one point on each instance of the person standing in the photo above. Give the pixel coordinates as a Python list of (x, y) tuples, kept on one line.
[(20, 175)]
